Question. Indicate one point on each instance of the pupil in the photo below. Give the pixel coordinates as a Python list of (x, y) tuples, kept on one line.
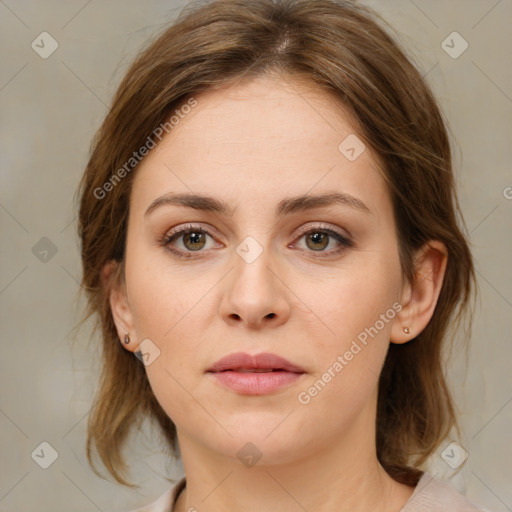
[(317, 238), (194, 238)]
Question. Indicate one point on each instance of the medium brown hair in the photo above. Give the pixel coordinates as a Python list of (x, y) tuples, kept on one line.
[(341, 47)]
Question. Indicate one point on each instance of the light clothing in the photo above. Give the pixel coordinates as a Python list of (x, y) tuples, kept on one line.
[(430, 495)]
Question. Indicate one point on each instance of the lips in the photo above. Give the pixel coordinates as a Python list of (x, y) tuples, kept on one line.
[(259, 363)]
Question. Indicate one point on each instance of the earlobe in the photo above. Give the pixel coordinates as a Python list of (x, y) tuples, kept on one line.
[(114, 285), (419, 298)]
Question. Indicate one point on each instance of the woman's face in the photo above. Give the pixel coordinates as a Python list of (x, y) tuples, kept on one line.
[(268, 274)]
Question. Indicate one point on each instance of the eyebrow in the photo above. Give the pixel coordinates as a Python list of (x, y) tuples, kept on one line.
[(284, 207)]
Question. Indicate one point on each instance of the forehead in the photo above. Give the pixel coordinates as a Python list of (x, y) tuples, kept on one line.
[(267, 134), (267, 112)]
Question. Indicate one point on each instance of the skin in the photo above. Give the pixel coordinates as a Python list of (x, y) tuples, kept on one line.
[(252, 145)]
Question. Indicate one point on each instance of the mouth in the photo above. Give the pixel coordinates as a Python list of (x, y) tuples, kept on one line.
[(255, 370), (256, 381), (260, 374), (240, 362)]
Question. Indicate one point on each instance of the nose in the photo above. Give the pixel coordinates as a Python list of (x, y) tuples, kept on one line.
[(255, 294)]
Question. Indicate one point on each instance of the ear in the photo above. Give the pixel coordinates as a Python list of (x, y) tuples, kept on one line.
[(112, 276), (419, 297)]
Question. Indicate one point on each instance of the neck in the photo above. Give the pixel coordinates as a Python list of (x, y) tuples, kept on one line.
[(342, 475)]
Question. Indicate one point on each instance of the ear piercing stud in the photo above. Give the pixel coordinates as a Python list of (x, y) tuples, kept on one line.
[(406, 330), (126, 339)]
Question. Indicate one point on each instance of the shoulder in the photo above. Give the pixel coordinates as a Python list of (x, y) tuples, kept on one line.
[(434, 495), (164, 503)]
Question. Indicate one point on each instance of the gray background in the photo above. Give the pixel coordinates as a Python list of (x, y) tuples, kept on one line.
[(50, 109)]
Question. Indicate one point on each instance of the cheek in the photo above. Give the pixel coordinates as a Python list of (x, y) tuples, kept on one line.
[(357, 306), (159, 298), (164, 313), (348, 363), (351, 301), (167, 309)]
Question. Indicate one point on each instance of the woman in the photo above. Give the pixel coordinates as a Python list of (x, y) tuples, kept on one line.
[(271, 244)]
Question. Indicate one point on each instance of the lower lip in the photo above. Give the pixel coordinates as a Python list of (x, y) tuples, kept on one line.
[(252, 383)]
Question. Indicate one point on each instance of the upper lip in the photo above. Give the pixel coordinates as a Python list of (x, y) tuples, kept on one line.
[(265, 360)]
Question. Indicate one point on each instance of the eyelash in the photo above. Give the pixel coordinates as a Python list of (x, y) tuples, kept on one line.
[(189, 228)]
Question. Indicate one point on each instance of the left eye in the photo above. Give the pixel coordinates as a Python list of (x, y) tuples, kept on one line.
[(194, 240), (318, 239)]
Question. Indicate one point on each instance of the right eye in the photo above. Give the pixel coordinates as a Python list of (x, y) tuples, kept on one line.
[(193, 240)]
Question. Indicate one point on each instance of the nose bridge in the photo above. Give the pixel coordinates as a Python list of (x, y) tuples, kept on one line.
[(254, 292), (252, 274)]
